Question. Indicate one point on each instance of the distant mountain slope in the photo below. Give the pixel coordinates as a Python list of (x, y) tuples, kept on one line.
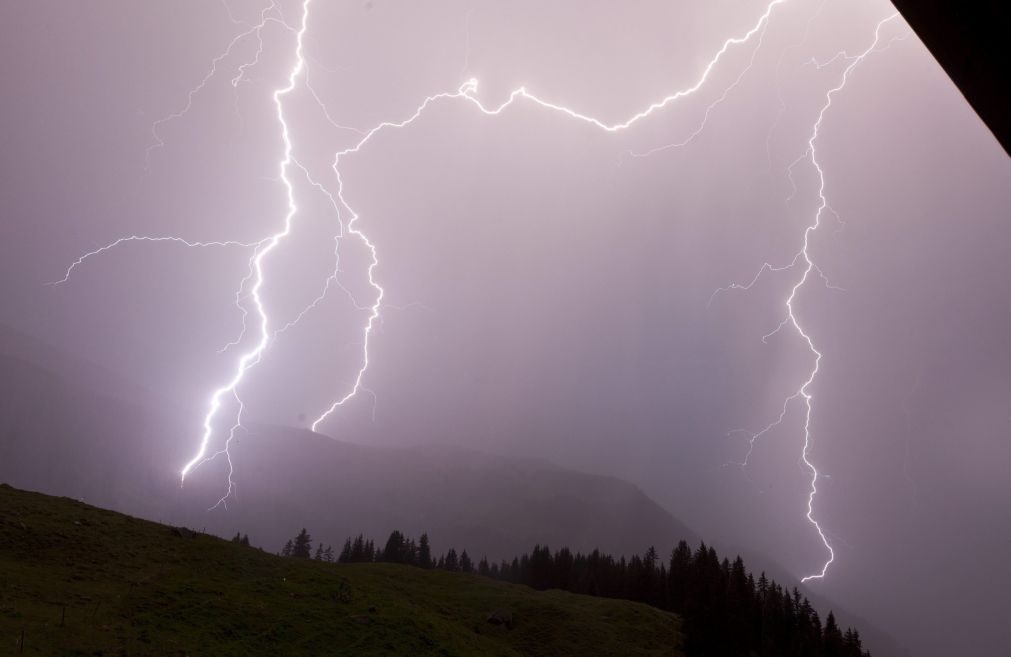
[(81, 580), (60, 438), (78, 371), (489, 505), (61, 434)]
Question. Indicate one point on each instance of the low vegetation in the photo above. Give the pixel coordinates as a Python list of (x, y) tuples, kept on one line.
[(725, 611), (77, 580)]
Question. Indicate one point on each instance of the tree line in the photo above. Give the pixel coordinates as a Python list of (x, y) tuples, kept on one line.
[(725, 611)]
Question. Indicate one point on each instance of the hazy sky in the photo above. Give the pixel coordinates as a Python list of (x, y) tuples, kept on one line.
[(547, 293)]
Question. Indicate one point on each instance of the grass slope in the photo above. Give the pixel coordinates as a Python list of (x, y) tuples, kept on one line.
[(78, 580)]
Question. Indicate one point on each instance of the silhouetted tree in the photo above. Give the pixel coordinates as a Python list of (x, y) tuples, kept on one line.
[(452, 562), (393, 552), (345, 555), (302, 547), (424, 552), (832, 638), (370, 551), (725, 612)]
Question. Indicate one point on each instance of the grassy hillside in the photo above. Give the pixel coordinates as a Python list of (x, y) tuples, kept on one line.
[(78, 580)]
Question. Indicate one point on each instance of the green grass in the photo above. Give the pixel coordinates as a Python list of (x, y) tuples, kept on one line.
[(78, 580)]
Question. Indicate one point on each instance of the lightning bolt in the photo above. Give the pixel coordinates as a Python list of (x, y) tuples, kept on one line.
[(142, 238), (252, 357), (467, 93), (262, 248), (268, 15), (803, 258)]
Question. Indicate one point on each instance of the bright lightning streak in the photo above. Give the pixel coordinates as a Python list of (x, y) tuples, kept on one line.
[(271, 14), (466, 92), (709, 110), (809, 266), (223, 501), (822, 205), (252, 357)]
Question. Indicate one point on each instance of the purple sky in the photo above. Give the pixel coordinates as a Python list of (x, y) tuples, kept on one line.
[(546, 293)]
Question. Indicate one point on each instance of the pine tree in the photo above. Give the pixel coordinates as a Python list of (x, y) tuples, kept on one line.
[(328, 554), (288, 547), (832, 638), (424, 552), (394, 550), (725, 611), (302, 548), (358, 550), (345, 555), (319, 553)]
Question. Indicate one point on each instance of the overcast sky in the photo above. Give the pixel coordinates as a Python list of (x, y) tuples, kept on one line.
[(546, 292)]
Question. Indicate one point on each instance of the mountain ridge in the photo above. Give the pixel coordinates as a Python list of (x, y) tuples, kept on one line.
[(119, 454)]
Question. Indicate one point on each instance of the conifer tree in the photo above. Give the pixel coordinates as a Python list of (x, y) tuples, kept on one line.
[(345, 555), (302, 547), (832, 638), (424, 552), (394, 550), (358, 549)]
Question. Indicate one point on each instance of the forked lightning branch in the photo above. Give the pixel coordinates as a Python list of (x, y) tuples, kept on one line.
[(226, 397)]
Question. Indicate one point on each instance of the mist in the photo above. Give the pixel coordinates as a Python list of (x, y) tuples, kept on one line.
[(549, 291)]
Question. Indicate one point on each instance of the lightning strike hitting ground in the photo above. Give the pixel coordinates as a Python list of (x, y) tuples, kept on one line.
[(252, 357), (804, 255), (255, 276)]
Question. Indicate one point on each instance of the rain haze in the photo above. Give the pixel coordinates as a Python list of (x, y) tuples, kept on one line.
[(611, 301)]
